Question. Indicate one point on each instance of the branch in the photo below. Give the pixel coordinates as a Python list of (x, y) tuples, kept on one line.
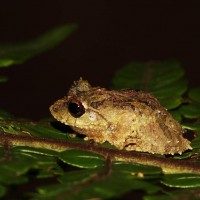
[(168, 165)]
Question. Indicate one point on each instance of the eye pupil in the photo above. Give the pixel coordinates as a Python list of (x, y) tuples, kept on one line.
[(76, 108)]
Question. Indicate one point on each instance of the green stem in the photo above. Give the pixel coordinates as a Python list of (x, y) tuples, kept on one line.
[(168, 165)]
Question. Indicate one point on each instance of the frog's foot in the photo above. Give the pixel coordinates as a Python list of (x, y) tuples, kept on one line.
[(130, 144), (72, 135), (130, 147), (98, 140), (86, 138)]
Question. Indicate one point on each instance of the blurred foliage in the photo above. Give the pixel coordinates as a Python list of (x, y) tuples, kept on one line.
[(11, 54), (75, 174), (18, 53), (165, 80)]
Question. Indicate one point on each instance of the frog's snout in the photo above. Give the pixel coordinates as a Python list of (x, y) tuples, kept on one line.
[(58, 108)]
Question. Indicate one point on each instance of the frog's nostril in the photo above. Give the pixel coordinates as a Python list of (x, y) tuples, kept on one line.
[(54, 108)]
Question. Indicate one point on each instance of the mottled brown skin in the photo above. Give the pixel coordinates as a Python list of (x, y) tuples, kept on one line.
[(127, 119)]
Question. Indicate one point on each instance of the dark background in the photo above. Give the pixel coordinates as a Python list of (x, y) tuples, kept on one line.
[(111, 33)]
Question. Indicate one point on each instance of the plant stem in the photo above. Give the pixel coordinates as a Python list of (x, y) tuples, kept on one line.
[(168, 165)]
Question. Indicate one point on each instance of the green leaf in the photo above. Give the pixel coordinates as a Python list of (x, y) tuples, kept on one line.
[(44, 152), (68, 181), (5, 115), (135, 168), (176, 115), (106, 189), (173, 89), (164, 80), (115, 185), (17, 164), (3, 79), (194, 94), (11, 178), (50, 192), (79, 176), (185, 155), (190, 111), (22, 160), (176, 195), (9, 129), (158, 197), (12, 170), (19, 53), (192, 126), (2, 190), (148, 76), (82, 159), (182, 180), (171, 102), (44, 130), (195, 143), (103, 185)]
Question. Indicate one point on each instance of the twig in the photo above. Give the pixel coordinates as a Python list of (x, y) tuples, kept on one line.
[(168, 165)]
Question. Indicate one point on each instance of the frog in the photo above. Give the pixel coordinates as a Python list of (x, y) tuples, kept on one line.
[(128, 119)]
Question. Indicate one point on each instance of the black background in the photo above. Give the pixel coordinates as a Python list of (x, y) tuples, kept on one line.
[(110, 34)]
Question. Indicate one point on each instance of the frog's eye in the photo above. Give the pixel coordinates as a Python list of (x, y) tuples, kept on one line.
[(76, 108)]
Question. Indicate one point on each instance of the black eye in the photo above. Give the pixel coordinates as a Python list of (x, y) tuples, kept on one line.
[(76, 108)]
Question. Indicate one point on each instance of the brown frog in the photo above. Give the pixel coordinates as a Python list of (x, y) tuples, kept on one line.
[(127, 119)]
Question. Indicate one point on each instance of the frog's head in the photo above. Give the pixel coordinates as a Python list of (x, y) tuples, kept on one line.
[(76, 111)]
